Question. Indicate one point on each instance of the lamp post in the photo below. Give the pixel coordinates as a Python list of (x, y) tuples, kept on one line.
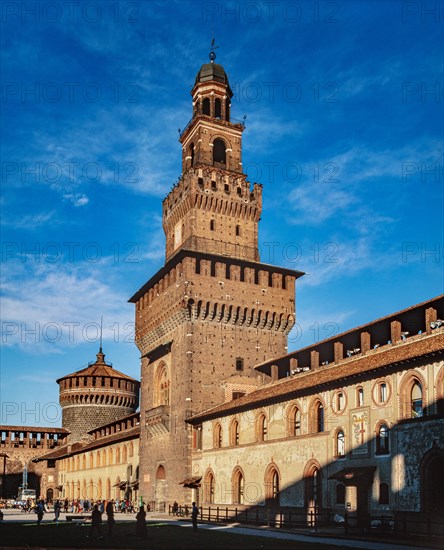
[(4, 456)]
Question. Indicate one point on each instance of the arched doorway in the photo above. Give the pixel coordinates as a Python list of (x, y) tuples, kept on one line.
[(432, 481), (49, 495), (160, 489)]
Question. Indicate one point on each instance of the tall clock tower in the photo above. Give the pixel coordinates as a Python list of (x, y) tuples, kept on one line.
[(213, 310)]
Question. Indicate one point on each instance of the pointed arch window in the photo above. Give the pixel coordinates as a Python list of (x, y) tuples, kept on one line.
[(296, 422), (272, 485), (238, 487), (313, 487), (340, 444), (162, 386), (262, 428), (319, 417), (382, 440), (209, 486), (217, 436), (234, 433), (219, 151), (416, 400)]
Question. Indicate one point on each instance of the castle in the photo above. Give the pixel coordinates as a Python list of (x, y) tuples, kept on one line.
[(227, 416)]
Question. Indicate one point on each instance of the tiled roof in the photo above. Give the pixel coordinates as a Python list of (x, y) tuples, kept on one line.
[(313, 381), (99, 368), (76, 448)]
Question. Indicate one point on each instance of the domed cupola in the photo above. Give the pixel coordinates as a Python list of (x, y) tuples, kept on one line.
[(96, 395)]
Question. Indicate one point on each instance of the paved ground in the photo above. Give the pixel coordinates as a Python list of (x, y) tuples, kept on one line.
[(320, 538)]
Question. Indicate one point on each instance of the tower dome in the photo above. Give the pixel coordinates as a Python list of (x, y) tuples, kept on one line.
[(96, 395)]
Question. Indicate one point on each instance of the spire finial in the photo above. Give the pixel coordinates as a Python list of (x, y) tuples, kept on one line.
[(101, 327), (212, 55)]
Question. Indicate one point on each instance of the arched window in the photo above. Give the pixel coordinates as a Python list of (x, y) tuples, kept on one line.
[(227, 109), (131, 449), (382, 440), (84, 462), (209, 488), (108, 489), (340, 443), (234, 433), (238, 486), (99, 489), (340, 493), (262, 428), (217, 109), (217, 436), (162, 386), (416, 400), (384, 496), (295, 422), (340, 401), (382, 392), (272, 485), (192, 154), (219, 151), (319, 417), (160, 472), (313, 485), (206, 106), (110, 457), (124, 454), (212, 225), (118, 455)]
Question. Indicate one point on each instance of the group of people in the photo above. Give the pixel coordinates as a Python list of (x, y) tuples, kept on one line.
[(96, 521)]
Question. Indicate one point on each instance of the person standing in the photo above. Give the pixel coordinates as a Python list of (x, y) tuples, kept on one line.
[(141, 523), (194, 514), (110, 517), (40, 509), (96, 522)]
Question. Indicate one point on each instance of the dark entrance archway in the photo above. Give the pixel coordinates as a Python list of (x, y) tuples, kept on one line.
[(432, 481)]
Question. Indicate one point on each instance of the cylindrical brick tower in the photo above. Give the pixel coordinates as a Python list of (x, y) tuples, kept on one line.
[(95, 396)]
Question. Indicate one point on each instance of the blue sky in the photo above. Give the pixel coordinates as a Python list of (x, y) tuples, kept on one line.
[(344, 129)]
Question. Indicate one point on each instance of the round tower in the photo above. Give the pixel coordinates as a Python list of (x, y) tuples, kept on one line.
[(95, 396)]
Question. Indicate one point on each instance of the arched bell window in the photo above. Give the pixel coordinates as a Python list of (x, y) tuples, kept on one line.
[(217, 109), (206, 106), (219, 151)]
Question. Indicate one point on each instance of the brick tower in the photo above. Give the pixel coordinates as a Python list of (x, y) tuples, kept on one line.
[(95, 396), (213, 310)]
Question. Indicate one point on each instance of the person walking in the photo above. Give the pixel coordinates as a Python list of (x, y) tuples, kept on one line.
[(96, 522), (194, 514), (57, 510), (110, 517)]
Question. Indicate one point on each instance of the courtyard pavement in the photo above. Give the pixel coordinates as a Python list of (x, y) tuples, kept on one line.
[(326, 538)]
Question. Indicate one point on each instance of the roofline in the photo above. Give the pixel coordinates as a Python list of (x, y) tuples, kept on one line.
[(184, 253), (358, 328), (289, 386)]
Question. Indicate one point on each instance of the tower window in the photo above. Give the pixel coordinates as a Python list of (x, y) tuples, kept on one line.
[(239, 364), (213, 185), (217, 109), (212, 225), (239, 191), (206, 106), (416, 398), (200, 182), (227, 188), (237, 230), (192, 154), (219, 151)]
